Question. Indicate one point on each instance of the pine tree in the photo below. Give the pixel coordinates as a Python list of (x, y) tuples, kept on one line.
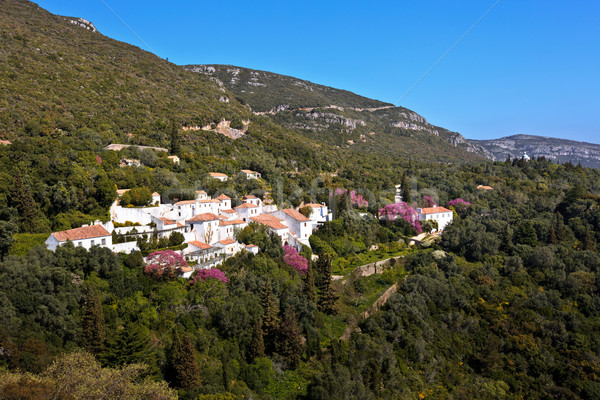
[(289, 343), (94, 334), (257, 345), (270, 321), (23, 201), (309, 284), (182, 368), (560, 228), (406, 188), (552, 238), (588, 241), (328, 298), (175, 145), (130, 345), (507, 243)]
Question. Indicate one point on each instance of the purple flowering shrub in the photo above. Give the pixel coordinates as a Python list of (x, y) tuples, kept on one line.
[(402, 210), (164, 264), (295, 260), (202, 275), (459, 205)]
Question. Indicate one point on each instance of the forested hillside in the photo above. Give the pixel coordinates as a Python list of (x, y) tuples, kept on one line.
[(504, 304)]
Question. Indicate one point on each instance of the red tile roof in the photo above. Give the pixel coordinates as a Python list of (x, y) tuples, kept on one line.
[(314, 205), (247, 171), (246, 205), (203, 217), (227, 241), (296, 215), (223, 197), (200, 192), (155, 194), (180, 203), (85, 232), (167, 221), (485, 187), (229, 211), (200, 245), (250, 196), (270, 220), (209, 201), (434, 210), (234, 222), (217, 175)]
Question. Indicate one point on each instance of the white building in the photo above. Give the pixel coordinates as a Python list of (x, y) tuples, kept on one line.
[(225, 201), (320, 213), (156, 198), (86, 237), (248, 210), (227, 228), (205, 255), (251, 174), (174, 159), (441, 215), (300, 226), (398, 196), (275, 224), (219, 176), (205, 227)]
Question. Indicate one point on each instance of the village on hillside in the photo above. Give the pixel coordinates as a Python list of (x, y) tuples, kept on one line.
[(207, 227)]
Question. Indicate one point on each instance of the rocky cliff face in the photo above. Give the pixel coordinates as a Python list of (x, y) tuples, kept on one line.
[(337, 116), (558, 150)]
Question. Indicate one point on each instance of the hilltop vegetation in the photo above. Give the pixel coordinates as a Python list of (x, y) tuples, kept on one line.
[(504, 306)]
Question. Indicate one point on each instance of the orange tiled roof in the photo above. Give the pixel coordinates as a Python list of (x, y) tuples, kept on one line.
[(217, 175), (234, 222), (167, 221), (250, 196), (296, 215), (485, 187), (200, 245), (203, 217), (314, 205), (200, 192), (229, 211), (246, 205), (155, 194), (247, 171), (183, 202), (434, 210), (208, 201), (223, 197), (85, 232), (227, 241), (270, 220)]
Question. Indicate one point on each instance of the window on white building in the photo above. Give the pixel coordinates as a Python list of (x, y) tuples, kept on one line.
[(103, 242), (80, 244), (92, 242)]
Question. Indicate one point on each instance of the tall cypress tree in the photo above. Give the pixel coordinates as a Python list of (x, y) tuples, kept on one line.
[(309, 284), (23, 201), (406, 188), (182, 368), (175, 145), (270, 321), (328, 298), (257, 345), (130, 345), (94, 334), (289, 343)]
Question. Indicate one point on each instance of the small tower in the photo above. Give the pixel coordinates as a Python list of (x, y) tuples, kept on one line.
[(398, 196), (525, 156)]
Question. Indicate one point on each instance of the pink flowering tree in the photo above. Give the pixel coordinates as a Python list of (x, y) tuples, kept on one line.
[(357, 200), (429, 201), (459, 205), (98, 159), (295, 260), (401, 210), (164, 264), (202, 275)]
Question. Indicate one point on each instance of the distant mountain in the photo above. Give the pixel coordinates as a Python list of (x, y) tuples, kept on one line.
[(558, 150), (339, 117)]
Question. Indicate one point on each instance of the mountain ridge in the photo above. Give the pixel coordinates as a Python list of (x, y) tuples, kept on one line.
[(557, 149)]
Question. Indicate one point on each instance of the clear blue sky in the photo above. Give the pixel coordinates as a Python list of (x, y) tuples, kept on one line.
[(529, 66)]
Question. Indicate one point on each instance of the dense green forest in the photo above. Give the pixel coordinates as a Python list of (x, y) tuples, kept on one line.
[(505, 306)]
